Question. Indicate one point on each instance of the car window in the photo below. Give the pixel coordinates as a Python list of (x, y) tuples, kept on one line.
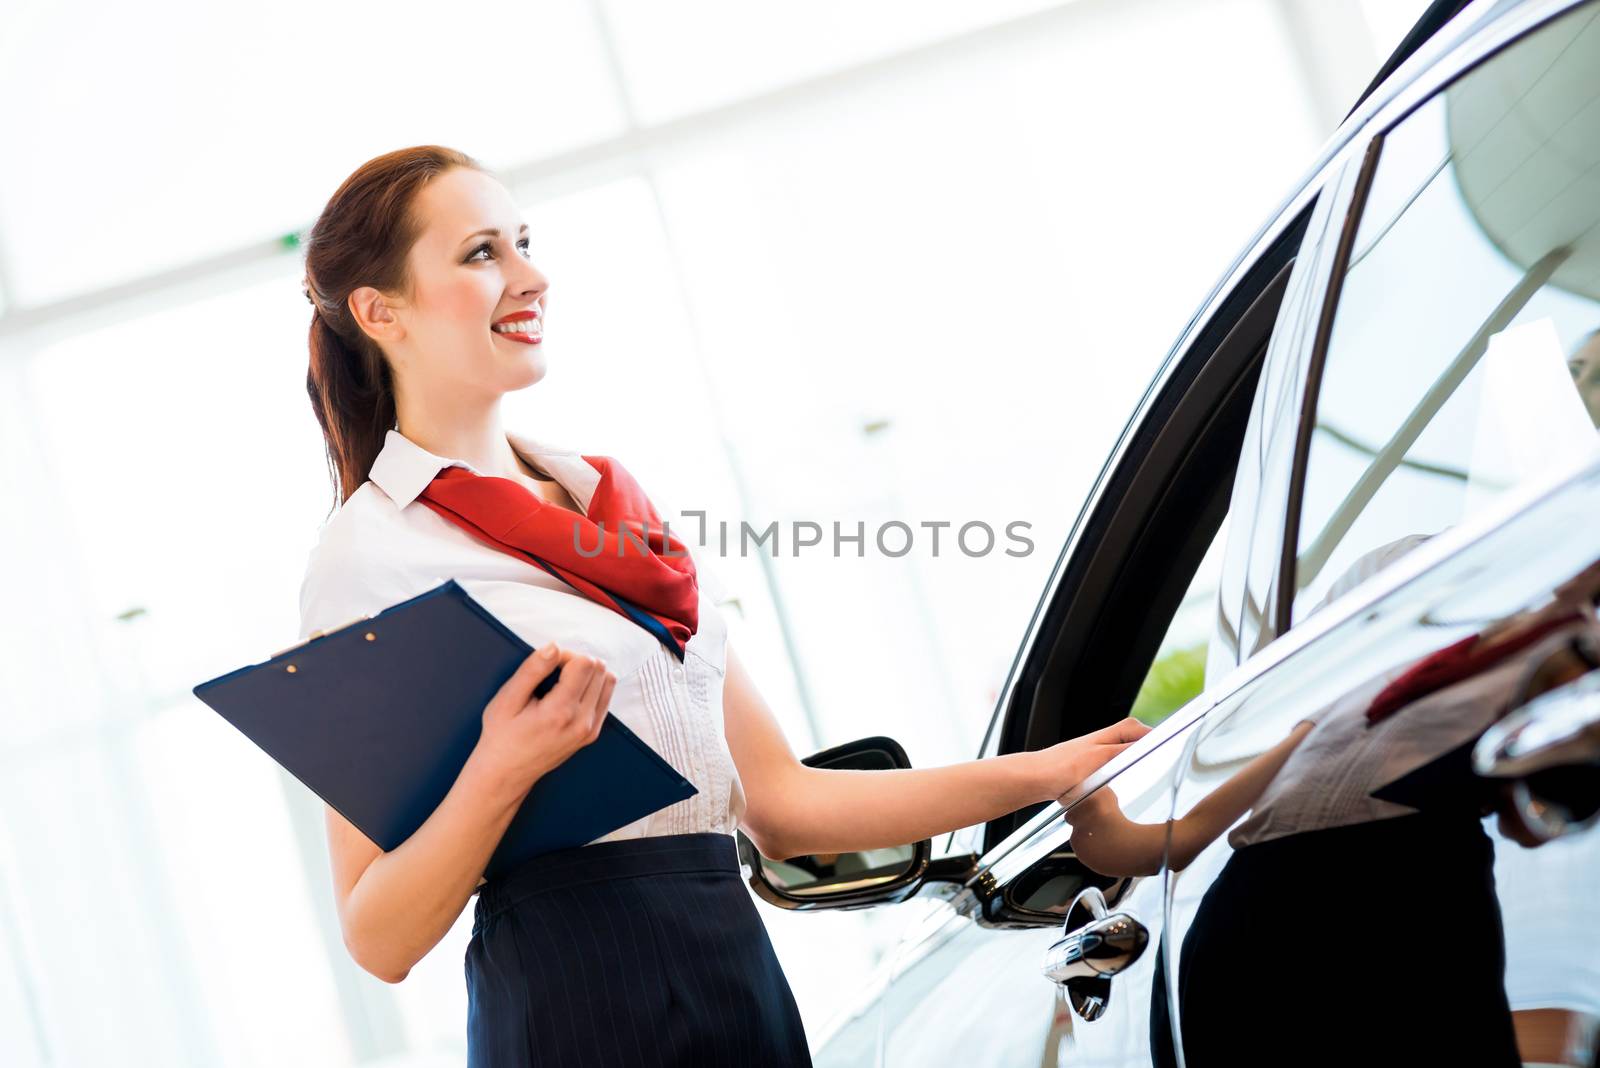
[(1258, 505), (1464, 354), (1178, 673)]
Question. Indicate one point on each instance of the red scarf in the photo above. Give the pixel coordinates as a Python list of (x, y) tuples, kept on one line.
[(640, 570), (1455, 662)]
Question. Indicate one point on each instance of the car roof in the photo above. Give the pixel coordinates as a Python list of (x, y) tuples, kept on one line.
[(1432, 20)]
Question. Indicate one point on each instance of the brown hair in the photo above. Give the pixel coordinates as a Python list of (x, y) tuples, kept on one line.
[(362, 238)]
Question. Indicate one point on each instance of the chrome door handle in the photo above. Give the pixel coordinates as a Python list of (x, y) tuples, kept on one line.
[(1086, 957), (1557, 733), (1560, 726)]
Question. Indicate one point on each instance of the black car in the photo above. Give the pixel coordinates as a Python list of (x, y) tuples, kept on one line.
[(1344, 558)]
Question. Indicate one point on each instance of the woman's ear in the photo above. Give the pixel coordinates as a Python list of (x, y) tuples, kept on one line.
[(375, 314)]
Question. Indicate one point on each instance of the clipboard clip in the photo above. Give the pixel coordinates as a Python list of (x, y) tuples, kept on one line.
[(314, 635)]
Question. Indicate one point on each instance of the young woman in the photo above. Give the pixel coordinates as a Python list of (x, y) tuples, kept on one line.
[(642, 947)]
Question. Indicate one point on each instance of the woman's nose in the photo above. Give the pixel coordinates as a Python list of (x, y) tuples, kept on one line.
[(529, 281)]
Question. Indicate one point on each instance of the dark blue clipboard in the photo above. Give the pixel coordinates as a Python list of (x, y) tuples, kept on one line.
[(379, 727)]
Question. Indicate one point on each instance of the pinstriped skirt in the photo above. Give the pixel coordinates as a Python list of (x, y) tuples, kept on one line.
[(638, 952)]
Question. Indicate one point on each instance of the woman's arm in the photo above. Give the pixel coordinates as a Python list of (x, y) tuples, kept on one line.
[(792, 810), (1111, 844), (396, 906)]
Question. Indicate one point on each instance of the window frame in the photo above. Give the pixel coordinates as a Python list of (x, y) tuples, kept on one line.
[(1283, 607)]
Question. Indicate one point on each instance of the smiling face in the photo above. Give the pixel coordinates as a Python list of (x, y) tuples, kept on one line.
[(439, 339)]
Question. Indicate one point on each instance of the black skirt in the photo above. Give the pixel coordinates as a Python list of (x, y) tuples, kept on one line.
[(1374, 944), (643, 951)]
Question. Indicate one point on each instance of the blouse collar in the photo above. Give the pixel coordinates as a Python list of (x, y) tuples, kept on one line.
[(404, 468)]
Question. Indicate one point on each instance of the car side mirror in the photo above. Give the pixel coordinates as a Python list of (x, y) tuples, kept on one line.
[(841, 880)]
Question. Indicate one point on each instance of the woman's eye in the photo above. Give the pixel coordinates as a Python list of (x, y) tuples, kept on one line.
[(522, 244)]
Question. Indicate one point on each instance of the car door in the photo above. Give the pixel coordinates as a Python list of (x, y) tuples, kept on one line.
[(1331, 889)]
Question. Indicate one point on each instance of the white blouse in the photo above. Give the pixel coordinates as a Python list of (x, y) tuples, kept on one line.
[(1329, 778), (382, 547)]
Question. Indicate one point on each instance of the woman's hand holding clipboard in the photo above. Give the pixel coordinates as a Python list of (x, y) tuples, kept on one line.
[(531, 727)]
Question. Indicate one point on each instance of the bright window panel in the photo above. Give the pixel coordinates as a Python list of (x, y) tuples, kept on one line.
[(1389, 21), (188, 467), (178, 132), (987, 262), (680, 58)]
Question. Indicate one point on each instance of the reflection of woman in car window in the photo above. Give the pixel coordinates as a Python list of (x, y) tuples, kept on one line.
[(1335, 886), (1585, 368)]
